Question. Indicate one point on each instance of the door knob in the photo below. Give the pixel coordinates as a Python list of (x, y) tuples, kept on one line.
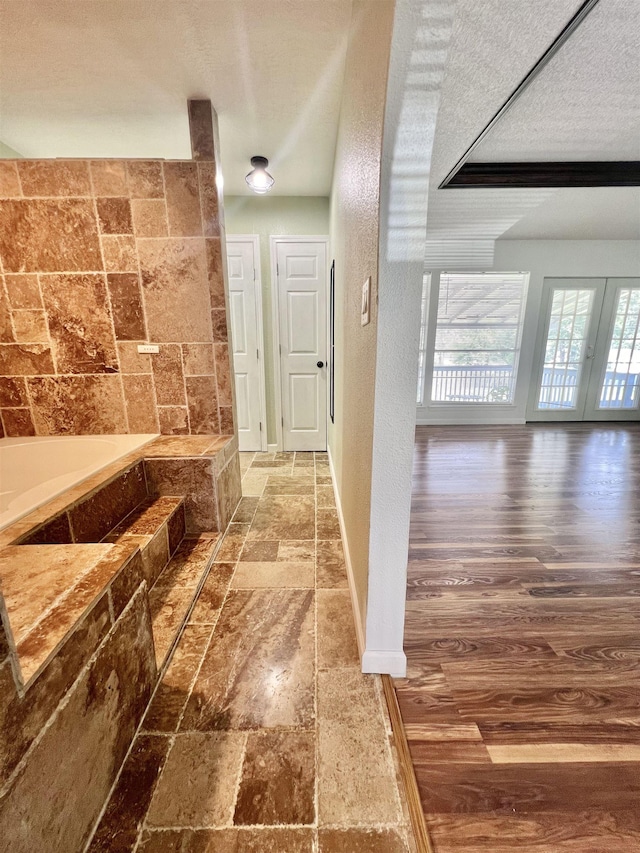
[(321, 364)]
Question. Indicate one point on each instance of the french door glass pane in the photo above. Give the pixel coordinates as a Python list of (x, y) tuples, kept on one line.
[(621, 386), (565, 348)]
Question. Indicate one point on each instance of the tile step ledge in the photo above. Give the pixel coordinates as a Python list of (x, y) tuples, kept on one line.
[(157, 527)]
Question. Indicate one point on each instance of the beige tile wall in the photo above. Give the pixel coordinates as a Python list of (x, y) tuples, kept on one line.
[(97, 256)]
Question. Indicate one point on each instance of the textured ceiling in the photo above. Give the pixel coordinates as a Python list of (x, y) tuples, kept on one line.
[(112, 77), (585, 104), (494, 45)]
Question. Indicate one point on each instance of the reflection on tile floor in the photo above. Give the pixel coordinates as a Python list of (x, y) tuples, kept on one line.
[(263, 735)]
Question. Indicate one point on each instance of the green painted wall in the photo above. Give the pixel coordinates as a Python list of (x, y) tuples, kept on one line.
[(8, 153), (288, 216)]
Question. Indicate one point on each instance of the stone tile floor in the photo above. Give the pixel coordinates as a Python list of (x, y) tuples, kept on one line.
[(263, 735)]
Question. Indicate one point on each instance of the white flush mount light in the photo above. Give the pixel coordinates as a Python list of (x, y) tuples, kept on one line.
[(258, 179)]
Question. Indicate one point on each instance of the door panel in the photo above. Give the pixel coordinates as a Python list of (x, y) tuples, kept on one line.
[(302, 304), (303, 393), (247, 361), (242, 402), (615, 393), (619, 389), (303, 323), (570, 317), (238, 322)]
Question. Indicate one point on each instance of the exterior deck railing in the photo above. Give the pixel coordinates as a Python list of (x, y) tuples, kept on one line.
[(468, 384)]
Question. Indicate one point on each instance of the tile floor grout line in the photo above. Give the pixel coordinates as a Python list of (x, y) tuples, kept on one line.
[(204, 654), (143, 822), (192, 683), (176, 731), (243, 754)]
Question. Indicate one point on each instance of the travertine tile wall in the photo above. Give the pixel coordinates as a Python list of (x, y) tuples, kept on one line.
[(97, 256)]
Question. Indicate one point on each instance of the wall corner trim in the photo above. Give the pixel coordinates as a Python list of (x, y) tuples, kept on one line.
[(360, 635), (385, 662)]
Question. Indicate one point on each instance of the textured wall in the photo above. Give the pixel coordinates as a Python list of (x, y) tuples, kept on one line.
[(96, 257), (354, 238), (277, 216)]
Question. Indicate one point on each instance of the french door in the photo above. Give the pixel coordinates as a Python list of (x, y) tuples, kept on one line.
[(587, 360)]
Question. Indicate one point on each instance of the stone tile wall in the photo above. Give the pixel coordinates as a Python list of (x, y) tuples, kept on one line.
[(96, 257), (51, 800)]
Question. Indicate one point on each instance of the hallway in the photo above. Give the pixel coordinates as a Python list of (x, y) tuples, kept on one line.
[(263, 735), (522, 697)]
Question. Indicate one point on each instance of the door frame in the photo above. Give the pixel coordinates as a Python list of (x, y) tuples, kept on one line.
[(254, 239), (274, 240)]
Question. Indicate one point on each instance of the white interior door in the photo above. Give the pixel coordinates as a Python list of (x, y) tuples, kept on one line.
[(246, 339), (301, 271)]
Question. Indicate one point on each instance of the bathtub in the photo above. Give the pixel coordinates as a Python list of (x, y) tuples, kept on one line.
[(35, 470)]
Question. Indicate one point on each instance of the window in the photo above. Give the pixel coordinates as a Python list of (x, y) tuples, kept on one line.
[(477, 339), (422, 357)]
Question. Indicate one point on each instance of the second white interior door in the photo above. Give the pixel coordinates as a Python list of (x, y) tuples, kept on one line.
[(301, 271), (244, 296)]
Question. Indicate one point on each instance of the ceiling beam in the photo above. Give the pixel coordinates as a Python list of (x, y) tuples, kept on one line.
[(604, 173)]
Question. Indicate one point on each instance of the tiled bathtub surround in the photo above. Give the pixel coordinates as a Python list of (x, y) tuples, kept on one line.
[(53, 795), (97, 256), (192, 486), (88, 616), (263, 735)]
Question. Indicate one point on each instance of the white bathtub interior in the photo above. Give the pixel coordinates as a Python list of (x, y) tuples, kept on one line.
[(35, 470)]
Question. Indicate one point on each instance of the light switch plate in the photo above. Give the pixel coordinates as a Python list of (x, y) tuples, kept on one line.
[(148, 348), (366, 302)]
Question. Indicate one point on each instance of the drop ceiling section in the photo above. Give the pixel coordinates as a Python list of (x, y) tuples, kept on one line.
[(585, 103)]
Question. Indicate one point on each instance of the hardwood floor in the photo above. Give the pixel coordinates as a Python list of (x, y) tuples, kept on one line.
[(522, 696)]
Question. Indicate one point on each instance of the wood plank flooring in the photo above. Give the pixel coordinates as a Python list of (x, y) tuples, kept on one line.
[(522, 697)]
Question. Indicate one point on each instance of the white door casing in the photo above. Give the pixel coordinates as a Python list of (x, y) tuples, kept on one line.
[(300, 327), (245, 303)]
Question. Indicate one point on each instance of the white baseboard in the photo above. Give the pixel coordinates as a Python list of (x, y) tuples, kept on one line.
[(360, 636), (272, 448), (388, 663)]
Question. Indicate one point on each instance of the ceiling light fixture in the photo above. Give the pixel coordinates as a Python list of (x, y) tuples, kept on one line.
[(258, 179)]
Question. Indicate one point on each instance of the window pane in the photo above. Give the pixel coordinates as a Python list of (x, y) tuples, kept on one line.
[(422, 356), (621, 386), (477, 337), (564, 350)]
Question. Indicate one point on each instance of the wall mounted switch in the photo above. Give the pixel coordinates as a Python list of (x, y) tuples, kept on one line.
[(366, 302)]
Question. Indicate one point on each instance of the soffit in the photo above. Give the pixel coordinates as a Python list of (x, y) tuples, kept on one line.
[(588, 213), (111, 78)]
